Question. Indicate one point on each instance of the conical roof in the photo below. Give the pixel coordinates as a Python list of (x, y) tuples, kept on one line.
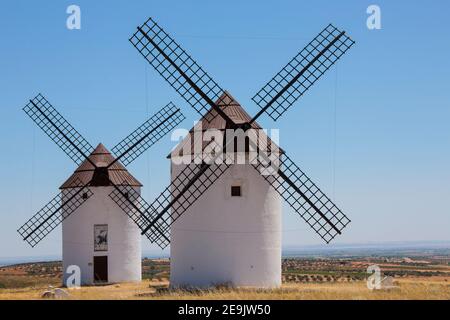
[(232, 109), (101, 157)]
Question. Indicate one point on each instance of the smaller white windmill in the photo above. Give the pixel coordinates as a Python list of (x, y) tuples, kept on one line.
[(99, 237)]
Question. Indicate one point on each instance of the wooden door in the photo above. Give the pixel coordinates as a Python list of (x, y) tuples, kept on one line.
[(101, 269)]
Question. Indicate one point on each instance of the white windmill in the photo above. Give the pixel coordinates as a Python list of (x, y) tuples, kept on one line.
[(232, 234), (225, 219), (99, 237)]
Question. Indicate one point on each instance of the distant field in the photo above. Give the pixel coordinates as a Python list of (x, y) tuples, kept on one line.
[(303, 278)]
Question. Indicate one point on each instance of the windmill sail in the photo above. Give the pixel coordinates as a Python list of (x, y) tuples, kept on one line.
[(58, 129), (78, 149), (177, 67), (184, 191), (53, 213), (142, 214), (148, 134), (188, 186), (297, 189), (288, 85), (172, 62)]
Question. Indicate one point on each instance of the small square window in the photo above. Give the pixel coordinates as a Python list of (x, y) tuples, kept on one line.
[(85, 196), (236, 191)]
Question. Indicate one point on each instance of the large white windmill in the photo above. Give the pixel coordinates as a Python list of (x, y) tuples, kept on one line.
[(224, 219), (99, 237), (232, 234)]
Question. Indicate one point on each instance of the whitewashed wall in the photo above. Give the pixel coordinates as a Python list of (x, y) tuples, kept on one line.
[(124, 239), (224, 239)]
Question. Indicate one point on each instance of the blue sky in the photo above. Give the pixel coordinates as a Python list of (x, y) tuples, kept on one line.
[(373, 133)]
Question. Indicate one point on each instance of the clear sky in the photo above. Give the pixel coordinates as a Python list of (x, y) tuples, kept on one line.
[(373, 133)]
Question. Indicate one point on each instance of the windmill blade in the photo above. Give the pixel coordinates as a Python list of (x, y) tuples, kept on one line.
[(183, 192), (138, 210), (177, 67), (58, 129), (324, 217), (53, 213), (202, 171), (147, 134), (288, 85), (189, 185)]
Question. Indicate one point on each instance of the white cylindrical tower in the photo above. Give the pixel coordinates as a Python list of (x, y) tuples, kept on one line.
[(232, 233), (229, 239), (98, 236)]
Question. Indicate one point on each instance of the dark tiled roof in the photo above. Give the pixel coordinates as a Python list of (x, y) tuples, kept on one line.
[(118, 174), (232, 109)]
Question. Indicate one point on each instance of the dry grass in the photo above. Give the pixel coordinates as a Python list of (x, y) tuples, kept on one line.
[(19, 281), (429, 288)]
